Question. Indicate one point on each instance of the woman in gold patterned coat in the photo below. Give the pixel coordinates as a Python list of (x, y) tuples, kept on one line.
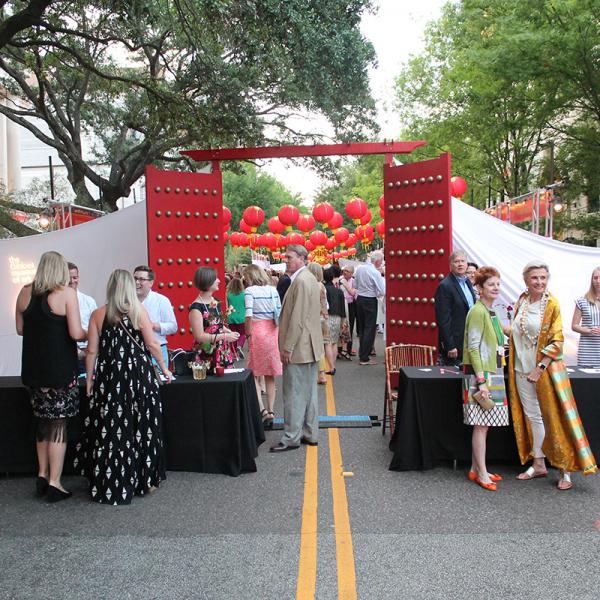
[(545, 417)]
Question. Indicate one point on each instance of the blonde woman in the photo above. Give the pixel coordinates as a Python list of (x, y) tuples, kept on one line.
[(545, 418), (317, 271), (47, 316), (262, 319), (586, 322), (122, 450)]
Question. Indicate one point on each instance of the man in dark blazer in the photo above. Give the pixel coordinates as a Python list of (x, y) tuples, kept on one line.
[(453, 299)]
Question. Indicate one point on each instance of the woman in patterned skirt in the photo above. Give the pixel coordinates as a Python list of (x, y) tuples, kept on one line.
[(47, 316), (122, 449), (483, 359), (262, 305), (586, 321)]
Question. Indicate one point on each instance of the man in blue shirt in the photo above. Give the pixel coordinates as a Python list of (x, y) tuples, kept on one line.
[(453, 299)]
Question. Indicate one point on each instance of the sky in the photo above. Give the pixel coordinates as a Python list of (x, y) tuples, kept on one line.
[(396, 32)]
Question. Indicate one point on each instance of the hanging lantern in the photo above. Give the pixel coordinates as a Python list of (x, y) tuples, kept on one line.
[(245, 227), (254, 216), (323, 212), (288, 215), (366, 218), (341, 235), (225, 237), (352, 251), (305, 223), (275, 225), (350, 241), (318, 238), (336, 221), (234, 238), (270, 241), (382, 202), (309, 246), (259, 240), (458, 187), (226, 215), (243, 239), (330, 244), (381, 229), (355, 209), (295, 238), (365, 234)]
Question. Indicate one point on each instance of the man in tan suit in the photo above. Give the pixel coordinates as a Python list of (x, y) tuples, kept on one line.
[(301, 347)]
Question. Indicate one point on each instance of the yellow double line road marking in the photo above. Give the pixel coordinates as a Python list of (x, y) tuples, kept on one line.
[(307, 566)]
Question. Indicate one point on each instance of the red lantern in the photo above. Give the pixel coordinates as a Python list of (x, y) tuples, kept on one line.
[(341, 235), (295, 238), (243, 239), (259, 240), (382, 202), (309, 246), (270, 241), (350, 241), (344, 253), (226, 226), (336, 221), (305, 223), (288, 215), (381, 229), (245, 227), (366, 218), (225, 237), (226, 215), (234, 237), (318, 238), (254, 216), (275, 225), (352, 251), (323, 212), (330, 244), (355, 209), (458, 187)]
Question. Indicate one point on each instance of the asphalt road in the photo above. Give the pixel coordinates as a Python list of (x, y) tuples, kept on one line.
[(414, 535)]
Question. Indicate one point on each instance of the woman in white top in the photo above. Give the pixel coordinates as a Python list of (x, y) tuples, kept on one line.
[(586, 322), (262, 318)]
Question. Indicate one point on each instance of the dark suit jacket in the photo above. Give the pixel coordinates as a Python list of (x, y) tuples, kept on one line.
[(451, 310)]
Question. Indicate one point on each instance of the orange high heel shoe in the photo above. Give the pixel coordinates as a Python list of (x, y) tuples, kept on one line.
[(472, 475)]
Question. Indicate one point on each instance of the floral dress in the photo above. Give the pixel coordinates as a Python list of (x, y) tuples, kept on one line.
[(213, 354)]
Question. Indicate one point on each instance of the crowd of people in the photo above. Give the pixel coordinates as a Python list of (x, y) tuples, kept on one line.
[(544, 414), (296, 325)]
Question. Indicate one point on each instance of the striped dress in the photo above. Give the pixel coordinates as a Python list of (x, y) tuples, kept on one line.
[(588, 354)]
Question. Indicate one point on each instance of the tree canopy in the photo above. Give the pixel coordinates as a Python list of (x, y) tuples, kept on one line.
[(499, 82), (142, 79)]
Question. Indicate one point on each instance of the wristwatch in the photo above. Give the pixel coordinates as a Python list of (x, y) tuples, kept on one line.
[(541, 366)]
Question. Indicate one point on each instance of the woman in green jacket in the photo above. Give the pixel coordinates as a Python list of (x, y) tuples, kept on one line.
[(484, 393)]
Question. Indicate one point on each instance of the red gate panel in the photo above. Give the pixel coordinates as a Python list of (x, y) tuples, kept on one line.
[(185, 231), (418, 242)]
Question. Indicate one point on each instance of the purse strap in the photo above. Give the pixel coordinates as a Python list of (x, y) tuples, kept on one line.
[(132, 338)]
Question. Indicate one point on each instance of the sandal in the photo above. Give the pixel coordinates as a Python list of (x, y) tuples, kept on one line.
[(565, 483), (531, 473)]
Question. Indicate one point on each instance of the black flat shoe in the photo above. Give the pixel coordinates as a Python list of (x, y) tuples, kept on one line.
[(41, 487), (330, 372), (56, 495), (308, 442)]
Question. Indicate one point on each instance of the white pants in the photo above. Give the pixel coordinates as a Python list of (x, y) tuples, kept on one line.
[(531, 408)]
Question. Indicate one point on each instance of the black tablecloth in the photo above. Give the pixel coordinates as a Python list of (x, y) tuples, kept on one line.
[(429, 420), (210, 426)]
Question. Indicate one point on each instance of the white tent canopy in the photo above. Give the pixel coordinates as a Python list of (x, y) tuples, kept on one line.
[(489, 241)]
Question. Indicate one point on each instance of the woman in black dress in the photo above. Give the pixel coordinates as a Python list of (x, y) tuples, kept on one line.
[(122, 450), (47, 316)]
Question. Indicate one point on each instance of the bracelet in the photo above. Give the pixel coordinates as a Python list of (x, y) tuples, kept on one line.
[(481, 382)]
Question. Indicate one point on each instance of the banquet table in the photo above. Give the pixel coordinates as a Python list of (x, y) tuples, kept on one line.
[(429, 428), (209, 426)]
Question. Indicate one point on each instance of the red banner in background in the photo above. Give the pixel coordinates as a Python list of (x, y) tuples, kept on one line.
[(521, 210)]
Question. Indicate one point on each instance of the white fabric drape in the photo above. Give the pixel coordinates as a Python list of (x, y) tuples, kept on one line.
[(489, 241), (117, 240)]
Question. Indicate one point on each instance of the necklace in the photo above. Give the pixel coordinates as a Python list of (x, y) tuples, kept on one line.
[(531, 341)]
